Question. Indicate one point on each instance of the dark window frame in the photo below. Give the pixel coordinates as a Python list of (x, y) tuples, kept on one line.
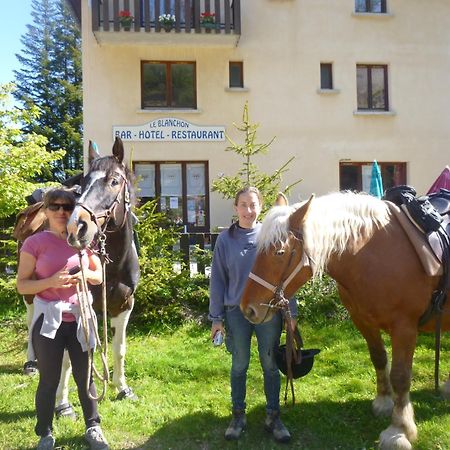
[(189, 228), (369, 68), (240, 65), (169, 86), (329, 68), (369, 7), (384, 167)]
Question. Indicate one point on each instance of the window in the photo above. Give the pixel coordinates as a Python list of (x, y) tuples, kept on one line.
[(168, 85), (355, 176), (372, 87), (326, 76), (236, 74), (181, 188), (370, 6)]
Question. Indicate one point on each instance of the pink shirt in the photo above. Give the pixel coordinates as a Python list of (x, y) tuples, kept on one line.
[(52, 254)]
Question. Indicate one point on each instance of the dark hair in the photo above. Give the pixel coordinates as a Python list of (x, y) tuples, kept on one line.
[(248, 190), (244, 190), (59, 193)]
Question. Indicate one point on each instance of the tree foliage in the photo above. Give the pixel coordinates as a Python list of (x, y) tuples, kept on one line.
[(50, 78), (23, 155), (249, 175)]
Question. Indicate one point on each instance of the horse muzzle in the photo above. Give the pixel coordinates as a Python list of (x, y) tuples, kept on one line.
[(81, 230)]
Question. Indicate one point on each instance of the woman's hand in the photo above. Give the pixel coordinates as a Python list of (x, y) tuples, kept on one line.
[(215, 327)]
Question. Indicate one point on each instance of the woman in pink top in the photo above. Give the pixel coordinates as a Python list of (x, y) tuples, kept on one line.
[(46, 260)]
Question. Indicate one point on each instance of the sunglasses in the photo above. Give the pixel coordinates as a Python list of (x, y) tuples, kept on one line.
[(65, 206)]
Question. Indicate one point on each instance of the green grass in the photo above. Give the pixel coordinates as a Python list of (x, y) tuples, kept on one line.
[(183, 388)]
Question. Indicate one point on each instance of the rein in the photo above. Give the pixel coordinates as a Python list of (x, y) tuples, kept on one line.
[(86, 313), (279, 301)]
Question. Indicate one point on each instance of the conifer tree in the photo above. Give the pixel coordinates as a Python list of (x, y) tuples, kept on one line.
[(249, 175), (50, 78)]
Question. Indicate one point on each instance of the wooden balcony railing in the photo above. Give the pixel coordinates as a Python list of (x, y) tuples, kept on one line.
[(227, 13)]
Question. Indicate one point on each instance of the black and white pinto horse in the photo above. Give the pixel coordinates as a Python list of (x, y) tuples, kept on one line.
[(103, 219)]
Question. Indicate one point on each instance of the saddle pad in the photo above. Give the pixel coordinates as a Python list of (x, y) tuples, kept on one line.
[(429, 261)]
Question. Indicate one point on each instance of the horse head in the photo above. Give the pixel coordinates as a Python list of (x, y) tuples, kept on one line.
[(281, 265), (105, 200)]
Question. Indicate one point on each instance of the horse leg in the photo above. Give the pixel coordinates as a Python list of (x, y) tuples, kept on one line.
[(445, 389), (63, 407), (119, 326), (402, 430), (30, 366), (383, 403)]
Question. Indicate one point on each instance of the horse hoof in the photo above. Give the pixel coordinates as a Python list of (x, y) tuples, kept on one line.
[(382, 406), (393, 438), (127, 394), (65, 410), (30, 368)]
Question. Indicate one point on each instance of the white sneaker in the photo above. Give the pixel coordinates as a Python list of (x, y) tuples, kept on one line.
[(95, 439), (46, 443)]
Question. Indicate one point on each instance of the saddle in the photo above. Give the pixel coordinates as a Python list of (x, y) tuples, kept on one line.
[(426, 221)]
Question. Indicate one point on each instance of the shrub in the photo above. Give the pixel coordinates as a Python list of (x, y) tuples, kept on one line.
[(166, 294), (318, 302)]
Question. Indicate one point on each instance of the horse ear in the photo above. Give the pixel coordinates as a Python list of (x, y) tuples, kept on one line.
[(281, 200), (117, 149), (298, 217), (93, 151)]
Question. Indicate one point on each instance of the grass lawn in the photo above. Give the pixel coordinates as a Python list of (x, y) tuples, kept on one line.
[(183, 388)]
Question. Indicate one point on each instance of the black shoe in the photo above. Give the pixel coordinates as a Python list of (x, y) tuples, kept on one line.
[(237, 425), (274, 425)]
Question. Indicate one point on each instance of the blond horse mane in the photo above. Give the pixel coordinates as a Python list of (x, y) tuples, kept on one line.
[(334, 223)]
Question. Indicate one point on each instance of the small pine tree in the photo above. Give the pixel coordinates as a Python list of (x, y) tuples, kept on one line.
[(249, 175)]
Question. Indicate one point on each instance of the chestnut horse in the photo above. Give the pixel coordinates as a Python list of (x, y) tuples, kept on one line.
[(380, 279), (103, 215)]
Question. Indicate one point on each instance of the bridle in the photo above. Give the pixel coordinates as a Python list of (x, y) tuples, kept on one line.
[(279, 301), (106, 214)]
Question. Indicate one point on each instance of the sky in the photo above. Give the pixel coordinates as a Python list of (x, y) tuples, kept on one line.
[(12, 29)]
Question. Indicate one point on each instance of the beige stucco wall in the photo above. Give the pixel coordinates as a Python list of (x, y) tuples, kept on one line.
[(282, 45)]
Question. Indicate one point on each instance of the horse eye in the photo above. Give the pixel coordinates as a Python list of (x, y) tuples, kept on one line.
[(114, 182), (279, 252)]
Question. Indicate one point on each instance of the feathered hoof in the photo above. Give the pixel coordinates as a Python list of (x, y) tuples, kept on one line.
[(30, 368), (382, 406), (445, 390), (393, 438), (65, 410), (127, 394)]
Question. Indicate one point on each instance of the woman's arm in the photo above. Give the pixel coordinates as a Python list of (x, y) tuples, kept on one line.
[(26, 284)]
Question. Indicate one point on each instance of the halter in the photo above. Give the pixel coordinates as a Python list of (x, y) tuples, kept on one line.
[(279, 301), (107, 213)]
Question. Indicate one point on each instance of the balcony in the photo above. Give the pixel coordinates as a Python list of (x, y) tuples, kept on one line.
[(187, 29)]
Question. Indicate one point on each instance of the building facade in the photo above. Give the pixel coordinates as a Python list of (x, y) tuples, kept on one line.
[(339, 84)]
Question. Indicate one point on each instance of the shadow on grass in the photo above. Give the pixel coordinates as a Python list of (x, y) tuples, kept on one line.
[(12, 417), (314, 426), (10, 369)]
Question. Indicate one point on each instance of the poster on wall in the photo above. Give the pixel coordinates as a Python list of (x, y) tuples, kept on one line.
[(195, 179), (171, 180), (145, 174)]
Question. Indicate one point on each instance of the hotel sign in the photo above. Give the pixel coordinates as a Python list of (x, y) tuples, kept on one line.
[(169, 129)]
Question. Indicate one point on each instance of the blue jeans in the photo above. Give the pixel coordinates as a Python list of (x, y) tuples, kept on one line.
[(238, 341)]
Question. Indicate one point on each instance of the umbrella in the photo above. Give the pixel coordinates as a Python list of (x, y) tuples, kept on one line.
[(442, 181), (376, 183)]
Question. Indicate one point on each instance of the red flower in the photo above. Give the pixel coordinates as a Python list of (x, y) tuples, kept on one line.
[(125, 14)]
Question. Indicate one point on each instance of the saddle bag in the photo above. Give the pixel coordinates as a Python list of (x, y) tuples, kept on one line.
[(421, 211)]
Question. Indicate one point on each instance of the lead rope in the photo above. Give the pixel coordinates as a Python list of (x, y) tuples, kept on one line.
[(86, 314)]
